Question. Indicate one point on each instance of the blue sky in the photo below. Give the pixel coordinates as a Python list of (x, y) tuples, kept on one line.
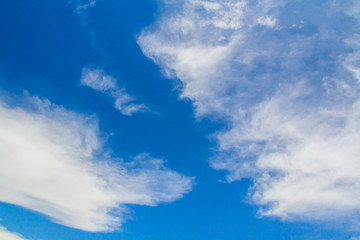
[(193, 119)]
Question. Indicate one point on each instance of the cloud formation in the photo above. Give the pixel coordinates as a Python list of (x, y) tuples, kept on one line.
[(99, 81), (52, 162), (6, 235), (284, 76)]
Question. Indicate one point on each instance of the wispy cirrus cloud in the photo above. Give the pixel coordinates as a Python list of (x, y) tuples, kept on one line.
[(100, 81), (96, 78), (7, 235), (81, 6), (52, 162), (284, 76)]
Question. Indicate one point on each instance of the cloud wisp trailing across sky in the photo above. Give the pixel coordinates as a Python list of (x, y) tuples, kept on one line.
[(98, 80), (52, 162), (284, 76), (81, 6)]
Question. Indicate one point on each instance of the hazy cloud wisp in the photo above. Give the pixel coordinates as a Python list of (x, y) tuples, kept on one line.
[(100, 81)]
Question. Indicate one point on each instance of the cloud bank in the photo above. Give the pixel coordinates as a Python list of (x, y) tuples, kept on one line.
[(52, 162), (99, 81), (284, 76)]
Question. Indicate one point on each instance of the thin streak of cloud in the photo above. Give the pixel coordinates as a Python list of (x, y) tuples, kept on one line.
[(100, 81), (81, 6)]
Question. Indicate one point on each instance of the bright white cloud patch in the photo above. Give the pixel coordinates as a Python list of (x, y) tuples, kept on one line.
[(52, 162), (284, 76), (98, 80), (6, 235)]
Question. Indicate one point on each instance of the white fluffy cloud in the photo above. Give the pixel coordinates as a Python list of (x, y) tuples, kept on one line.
[(284, 76), (52, 162), (98, 80), (306, 158), (6, 235)]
